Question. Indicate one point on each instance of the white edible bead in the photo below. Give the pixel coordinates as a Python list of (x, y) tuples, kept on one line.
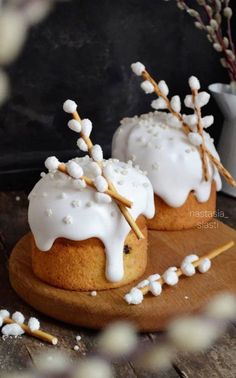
[(163, 87), (188, 101), (52, 163), (74, 125), (101, 183), (190, 258), (18, 317), (69, 106), (202, 99), (4, 314), (96, 153), (74, 169), (176, 104), (155, 288), (195, 139), (86, 126), (188, 269), (82, 145), (138, 68), (207, 121), (33, 324), (170, 277), (135, 296), (147, 87), (159, 103), (102, 198), (12, 330), (194, 83), (204, 265)]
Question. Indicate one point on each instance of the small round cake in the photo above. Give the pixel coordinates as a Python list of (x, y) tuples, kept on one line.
[(80, 239), (183, 198)]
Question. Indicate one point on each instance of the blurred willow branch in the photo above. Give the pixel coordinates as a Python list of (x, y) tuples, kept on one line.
[(16, 18), (214, 17)]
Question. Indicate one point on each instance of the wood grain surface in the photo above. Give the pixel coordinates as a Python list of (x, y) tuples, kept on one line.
[(218, 362), (165, 249)]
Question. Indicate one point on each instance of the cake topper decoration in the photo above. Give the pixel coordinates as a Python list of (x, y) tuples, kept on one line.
[(101, 183), (192, 125), (171, 276)]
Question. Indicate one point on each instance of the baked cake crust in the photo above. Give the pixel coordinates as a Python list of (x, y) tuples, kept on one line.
[(191, 214), (80, 265)]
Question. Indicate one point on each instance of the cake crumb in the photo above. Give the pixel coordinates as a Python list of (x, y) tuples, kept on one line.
[(78, 338), (17, 198), (76, 348), (186, 297)]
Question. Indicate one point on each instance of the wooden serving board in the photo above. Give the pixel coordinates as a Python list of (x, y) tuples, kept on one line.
[(165, 249)]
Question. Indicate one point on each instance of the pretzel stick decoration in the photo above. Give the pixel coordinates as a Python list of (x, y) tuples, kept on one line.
[(202, 146), (140, 70), (41, 335), (71, 107), (115, 195), (171, 276)]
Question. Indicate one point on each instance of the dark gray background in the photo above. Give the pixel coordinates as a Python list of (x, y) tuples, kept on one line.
[(83, 51)]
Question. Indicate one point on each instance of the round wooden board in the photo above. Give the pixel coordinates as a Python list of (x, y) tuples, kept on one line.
[(165, 249)]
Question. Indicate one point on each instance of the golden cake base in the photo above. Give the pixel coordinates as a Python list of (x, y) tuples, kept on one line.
[(165, 249)]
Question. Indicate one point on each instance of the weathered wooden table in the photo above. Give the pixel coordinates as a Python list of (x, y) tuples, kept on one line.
[(17, 354)]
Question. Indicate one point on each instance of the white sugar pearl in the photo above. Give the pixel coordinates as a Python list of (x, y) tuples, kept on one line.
[(187, 269), (102, 198), (135, 296), (69, 106), (74, 125), (194, 83), (74, 169), (204, 266), (147, 87), (108, 171), (96, 152), (191, 120), (202, 99), (33, 324), (137, 68), (18, 317), (163, 87), (195, 139), (95, 169), (173, 121), (190, 258), (154, 277), (12, 330), (176, 104), (86, 126), (93, 293), (52, 163), (159, 103), (82, 145), (207, 121), (170, 277), (188, 101), (68, 219), (142, 284), (155, 288), (4, 314), (79, 184), (101, 183)]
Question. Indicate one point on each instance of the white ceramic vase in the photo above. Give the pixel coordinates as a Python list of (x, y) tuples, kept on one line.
[(227, 143)]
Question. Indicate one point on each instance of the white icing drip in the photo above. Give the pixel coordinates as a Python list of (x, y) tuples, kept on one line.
[(81, 216), (154, 143)]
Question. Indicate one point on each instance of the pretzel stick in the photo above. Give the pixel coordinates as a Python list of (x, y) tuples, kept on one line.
[(202, 147), (229, 178), (211, 255), (41, 335), (111, 187), (121, 200)]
